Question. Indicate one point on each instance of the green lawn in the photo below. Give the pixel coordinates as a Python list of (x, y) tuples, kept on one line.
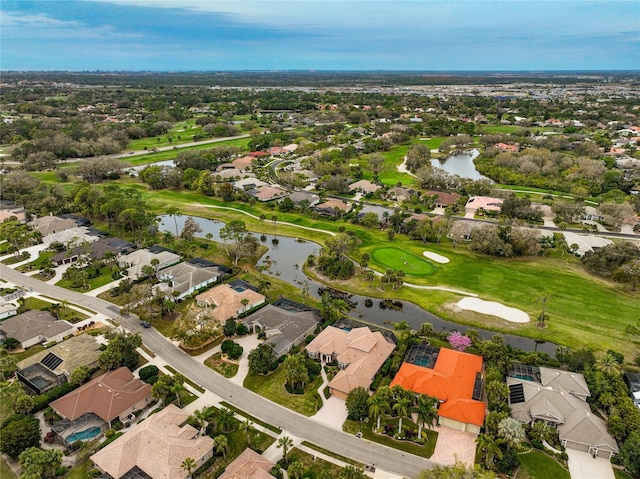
[(272, 387), (397, 259), (538, 465), (92, 283), (5, 471), (425, 450), (621, 474), (314, 465)]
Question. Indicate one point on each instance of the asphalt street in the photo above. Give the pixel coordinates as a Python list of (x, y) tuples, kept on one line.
[(301, 426)]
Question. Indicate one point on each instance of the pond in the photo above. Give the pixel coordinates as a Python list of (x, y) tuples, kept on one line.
[(460, 164), (285, 259)]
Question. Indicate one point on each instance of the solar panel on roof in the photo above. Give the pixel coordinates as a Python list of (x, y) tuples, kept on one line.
[(51, 361), (477, 387), (516, 393)]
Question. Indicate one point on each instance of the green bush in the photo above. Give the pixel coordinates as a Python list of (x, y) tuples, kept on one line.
[(60, 471), (148, 372), (42, 401)]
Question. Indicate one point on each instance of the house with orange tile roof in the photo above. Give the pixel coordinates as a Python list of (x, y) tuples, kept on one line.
[(456, 380), (226, 301), (248, 465), (359, 354), (157, 447), (243, 164)]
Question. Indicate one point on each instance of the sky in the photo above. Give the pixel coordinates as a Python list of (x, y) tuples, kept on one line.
[(419, 35)]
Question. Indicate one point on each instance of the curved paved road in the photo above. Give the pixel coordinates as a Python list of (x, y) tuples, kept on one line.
[(301, 426)]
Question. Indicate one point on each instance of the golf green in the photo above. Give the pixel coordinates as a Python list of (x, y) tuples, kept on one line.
[(396, 258)]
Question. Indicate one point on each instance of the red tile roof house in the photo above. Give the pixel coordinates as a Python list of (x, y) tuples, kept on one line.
[(115, 395), (455, 380), (157, 447)]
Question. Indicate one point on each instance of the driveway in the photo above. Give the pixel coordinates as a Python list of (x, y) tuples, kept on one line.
[(454, 445), (333, 413), (583, 466)]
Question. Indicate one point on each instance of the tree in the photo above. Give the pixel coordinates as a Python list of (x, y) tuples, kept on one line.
[(427, 410), (378, 406), (121, 351), (247, 428), (295, 370), (39, 463), (190, 229), (497, 395), (173, 211), (23, 404), (458, 341), (608, 364), (221, 445), (201, 416), (511, 431), (167, 385), (262, 358), (285, 443), (189, 464), (295, 470), (490, 449), (357, 404), (401, 407), (630, 453), (80, 375), (19, 433), (229, 327), (226, 419), (628, 273)]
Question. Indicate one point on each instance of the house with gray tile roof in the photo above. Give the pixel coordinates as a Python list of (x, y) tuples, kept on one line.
[(283, 329), (33, 327), (558, 398)]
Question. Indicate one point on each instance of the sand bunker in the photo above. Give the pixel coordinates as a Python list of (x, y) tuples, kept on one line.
[(438, 258), (494, 309)]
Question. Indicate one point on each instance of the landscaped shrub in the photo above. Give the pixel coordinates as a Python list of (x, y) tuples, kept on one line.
[(313, 368), (60, 471), (148, 371), (241, 329), (537, 444), (42, 401), (232, 349)]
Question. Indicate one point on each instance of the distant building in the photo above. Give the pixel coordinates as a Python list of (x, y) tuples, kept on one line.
[(227, 300)]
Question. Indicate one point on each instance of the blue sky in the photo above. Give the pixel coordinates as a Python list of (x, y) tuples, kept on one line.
[(173, 35)]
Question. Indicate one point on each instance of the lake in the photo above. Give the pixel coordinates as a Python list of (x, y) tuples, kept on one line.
[(460, 164), (285, 259)]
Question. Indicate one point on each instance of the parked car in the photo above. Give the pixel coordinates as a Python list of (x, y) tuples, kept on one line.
[(145, 324)]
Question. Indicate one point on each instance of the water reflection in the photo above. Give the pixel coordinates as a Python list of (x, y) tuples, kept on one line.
[(285, 259), (460, 164)]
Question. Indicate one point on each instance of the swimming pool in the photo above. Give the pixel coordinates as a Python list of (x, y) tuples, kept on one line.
[(83, 435)]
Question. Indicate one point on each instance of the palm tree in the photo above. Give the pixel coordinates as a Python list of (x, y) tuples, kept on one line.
[(245, 303), (188, 465), (225, 419), (401, 406), (247, 427), (263, 285), (221, 445), (201, 417), (378, 406), (608, 364), (285, 443), (427, 410), (490, 448), (173, 211)]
